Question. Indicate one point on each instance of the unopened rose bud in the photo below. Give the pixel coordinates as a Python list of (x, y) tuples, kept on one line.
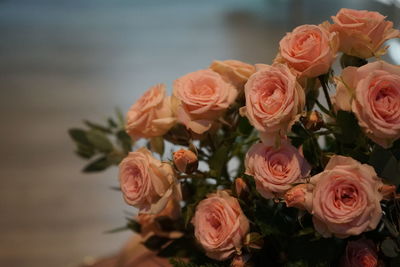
[(298, 196), (185, 161), (240, 260), (241, 188), (388, 191), (313, 121)]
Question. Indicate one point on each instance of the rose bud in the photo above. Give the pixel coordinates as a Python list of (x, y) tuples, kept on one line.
[(185, 161), (240, 260), (388, 191), (299, 196), (241, 188), (313, 121)]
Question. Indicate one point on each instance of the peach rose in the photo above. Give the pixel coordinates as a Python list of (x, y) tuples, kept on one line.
[(220, 225), (151, 115), (299, 196), (185, 161), (273, 100), (147, 183), (372, 92), (309, 49), (233, 71), (275, 169), (362, 33), (345, 198), (360, 253), (202, 96)]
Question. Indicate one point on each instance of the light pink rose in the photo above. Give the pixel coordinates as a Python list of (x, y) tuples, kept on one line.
[(233, 71), (345, 198), (309, 49), (273, 100), (275, 169), (202, 96), (146, 182), (151, 115), (362, 33), (360, 253), (372, 92), (220, 225)]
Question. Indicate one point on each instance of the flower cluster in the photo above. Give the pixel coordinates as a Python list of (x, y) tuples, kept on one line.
[(264, 166)]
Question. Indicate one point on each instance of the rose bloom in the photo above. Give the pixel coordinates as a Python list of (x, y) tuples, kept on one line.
[(360, 253), (275, 169), (202, 96), (362, 33), (372, 92), (309, 49), (220, 225), (233, 71), (146, 182), (151, 115), (273, 100), (345, 198)]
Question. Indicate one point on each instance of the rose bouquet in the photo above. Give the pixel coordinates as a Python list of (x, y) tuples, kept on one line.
[(263, 172)]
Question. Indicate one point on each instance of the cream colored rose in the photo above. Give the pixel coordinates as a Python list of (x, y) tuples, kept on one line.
[(146, 182), (275, 169), (309, 49), (151, 115), (345, 198), (372, 92), (201, 98), (233, 71), (220, 225), (362, 33), (273, 100)]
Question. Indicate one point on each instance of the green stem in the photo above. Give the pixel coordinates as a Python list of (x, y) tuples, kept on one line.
[(326, 93)]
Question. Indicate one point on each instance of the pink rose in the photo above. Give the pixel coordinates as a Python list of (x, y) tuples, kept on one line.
[(273, 100), (275, 169), (233, 71), (345, 198), (220, 225), (147, 183), (309, 49), (202, 96), (372, 92), (362, 33), (360, 253), (151, 115)]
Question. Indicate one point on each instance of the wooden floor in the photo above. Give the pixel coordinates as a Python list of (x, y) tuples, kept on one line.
[(61, 61)]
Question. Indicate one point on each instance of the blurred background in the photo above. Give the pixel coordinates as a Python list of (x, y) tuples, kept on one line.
[(63, 61)]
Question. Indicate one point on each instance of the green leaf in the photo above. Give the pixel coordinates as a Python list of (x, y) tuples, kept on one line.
[(218, 160), (99, 140), (385, 164), (244, 126), (157, 145), (134, 225), (97, 165), (349, 130), (390, 248), (125, 141), (79, 136), (85, 151), (97, 127), (347, 60), (155, 242)]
